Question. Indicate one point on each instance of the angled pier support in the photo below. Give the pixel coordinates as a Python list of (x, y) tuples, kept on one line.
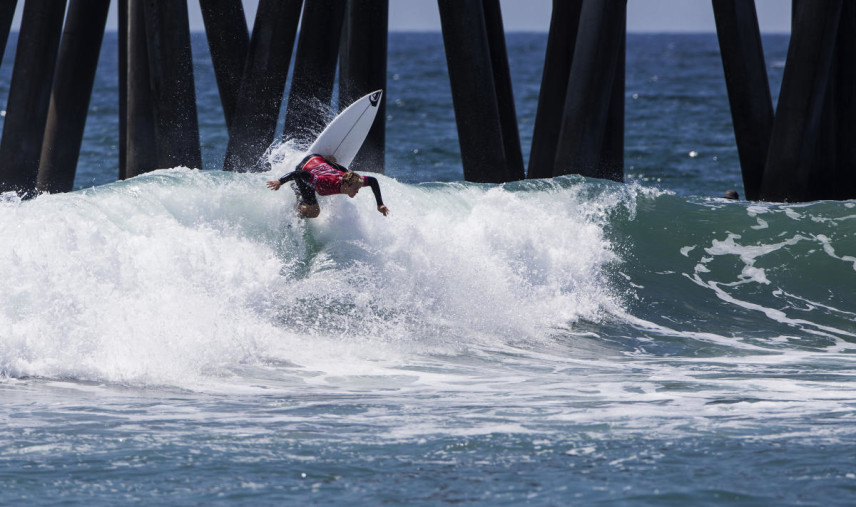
[(172, 84), (612, 147), (561, 41), (29, 95), (141, 148), (7, 13), (587, 124), (262, 84), (123, 85), (791, 171), (228, 42), (504, 92), (844, 179), (470, 57), (314, 70), (362, 69), (72, 90), (748, 87)]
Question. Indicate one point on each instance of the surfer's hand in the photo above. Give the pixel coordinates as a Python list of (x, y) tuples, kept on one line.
[(274, 185), (383, 209)]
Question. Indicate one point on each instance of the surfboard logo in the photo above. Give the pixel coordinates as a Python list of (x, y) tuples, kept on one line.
[(375, 97)]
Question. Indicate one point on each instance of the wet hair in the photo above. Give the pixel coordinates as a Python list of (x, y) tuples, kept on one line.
[(351, 178)]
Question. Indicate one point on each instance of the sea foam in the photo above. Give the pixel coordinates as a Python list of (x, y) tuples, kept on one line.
[(179, 275)]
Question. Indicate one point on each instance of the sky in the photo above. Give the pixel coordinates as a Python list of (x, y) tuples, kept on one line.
[(774, 16)]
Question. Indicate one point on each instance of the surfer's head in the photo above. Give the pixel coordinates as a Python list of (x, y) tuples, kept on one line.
[(351, 183)]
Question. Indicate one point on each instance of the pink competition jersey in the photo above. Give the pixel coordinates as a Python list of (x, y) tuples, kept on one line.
[(326, 179)]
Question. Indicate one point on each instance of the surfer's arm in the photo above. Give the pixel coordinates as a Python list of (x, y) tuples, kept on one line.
[(375, 186), (298, 174)]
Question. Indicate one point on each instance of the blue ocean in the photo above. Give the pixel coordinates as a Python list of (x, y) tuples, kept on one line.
[(183, 338)]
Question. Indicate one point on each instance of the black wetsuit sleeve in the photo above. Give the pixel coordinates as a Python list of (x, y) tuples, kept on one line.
[(299, 174), (372, 181)]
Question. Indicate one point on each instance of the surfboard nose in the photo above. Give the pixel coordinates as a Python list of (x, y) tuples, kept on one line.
[(375, 97)]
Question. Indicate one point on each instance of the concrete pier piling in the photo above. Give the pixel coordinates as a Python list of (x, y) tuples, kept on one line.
[(362, 69), (314, 70), (262, 84), (833, 167), (748, 87), (611, 158), (788, 173), (7, 14), (561, 41), (844, 179), (141, 148), (122, 9), (72, 89), (474, 94), (612, 148), (228, 42), (597, 54), (172, 84), (29, 95), (504, 92)]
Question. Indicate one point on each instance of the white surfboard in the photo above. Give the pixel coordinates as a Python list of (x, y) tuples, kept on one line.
[(344, 136)]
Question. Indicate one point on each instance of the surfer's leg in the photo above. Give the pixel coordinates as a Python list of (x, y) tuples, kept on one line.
[(307, 203), (309, 210)]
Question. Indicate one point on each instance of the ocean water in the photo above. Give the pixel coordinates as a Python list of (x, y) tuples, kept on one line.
[(182, 338)]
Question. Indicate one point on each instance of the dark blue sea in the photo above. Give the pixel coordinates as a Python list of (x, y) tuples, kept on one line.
[(183, 338)]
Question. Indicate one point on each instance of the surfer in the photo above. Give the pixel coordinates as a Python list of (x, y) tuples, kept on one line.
[(315, 174)]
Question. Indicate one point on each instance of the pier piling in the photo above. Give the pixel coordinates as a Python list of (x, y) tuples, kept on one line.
[(597, 54), (788, 173), (262, 84), (612, 148), (504, 92), (29, 95), (141, 148), (748, 86), (72, 90), (123, 85), (228, 43), (844, 181), (474, 95), (561, 40), (172, 84), (362, 69), (315, 61), (7, 14)]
